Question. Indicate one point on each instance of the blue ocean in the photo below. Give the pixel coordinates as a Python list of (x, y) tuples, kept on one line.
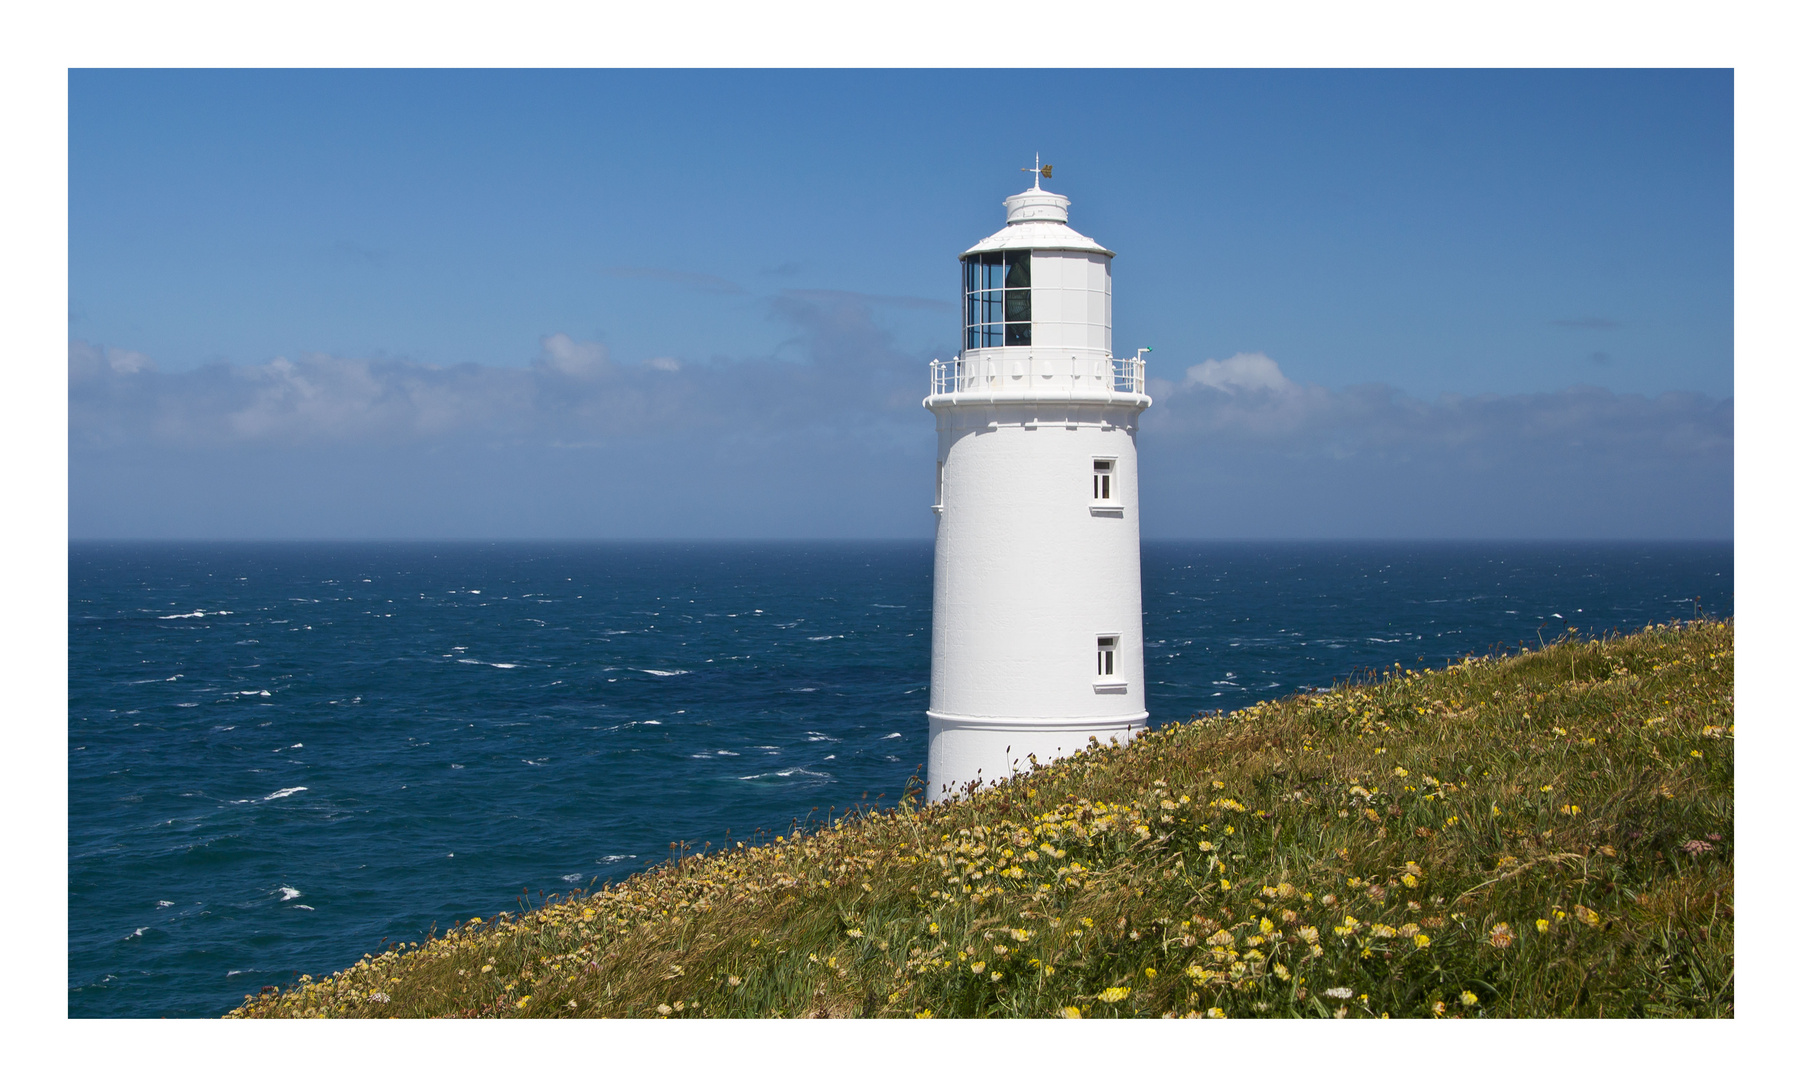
[(283, 755)]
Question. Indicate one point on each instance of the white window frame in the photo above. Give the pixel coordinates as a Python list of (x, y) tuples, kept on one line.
[(940, 486), (1106, 496), (1107, 666)]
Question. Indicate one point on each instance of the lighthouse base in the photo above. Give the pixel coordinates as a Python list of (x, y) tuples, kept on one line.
[(966, 752)]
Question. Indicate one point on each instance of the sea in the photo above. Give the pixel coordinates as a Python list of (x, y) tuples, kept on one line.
[(284, 755)]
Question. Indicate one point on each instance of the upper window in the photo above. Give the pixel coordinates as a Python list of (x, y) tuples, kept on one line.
[(1104, 471), (997, 298)]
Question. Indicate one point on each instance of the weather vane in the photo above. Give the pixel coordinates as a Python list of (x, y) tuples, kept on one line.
[(1042, 172)]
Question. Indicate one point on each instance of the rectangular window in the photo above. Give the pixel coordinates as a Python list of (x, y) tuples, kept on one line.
[(1107, 657), (996, 288), (1104, 473), (940, 481)]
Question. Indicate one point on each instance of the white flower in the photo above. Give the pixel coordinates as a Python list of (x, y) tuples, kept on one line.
[(1339, 992)]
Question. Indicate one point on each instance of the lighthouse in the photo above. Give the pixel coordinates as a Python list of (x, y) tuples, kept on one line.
[(1037, 632)]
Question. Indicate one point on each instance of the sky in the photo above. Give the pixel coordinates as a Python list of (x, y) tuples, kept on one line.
[(648, 304)]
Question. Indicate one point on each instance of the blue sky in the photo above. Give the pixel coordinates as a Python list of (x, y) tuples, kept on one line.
[(551, 303)]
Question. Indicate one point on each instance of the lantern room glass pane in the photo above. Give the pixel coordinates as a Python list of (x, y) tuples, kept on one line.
[(1018, 264), (1016, 305)]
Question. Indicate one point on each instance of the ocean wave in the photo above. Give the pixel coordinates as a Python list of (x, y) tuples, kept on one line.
[(664, 674), (786, 774), (893, 735), (283, 793), (827, 637), (289, 893)]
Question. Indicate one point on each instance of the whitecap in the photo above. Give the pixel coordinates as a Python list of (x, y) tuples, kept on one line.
[(283, 794), (664, 674), (457, 766), (727, 753), (505, 665), (166, 903), (137, 933), (893, 735), (536, 764), (827, 637), (572, 877), (190, 615), (303, 907), (463, 660), (187, 704), (650, 723), (803, 690), (615, 858), (289, 894)]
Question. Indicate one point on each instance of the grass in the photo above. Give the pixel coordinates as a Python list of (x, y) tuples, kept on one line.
[(1543, 834)]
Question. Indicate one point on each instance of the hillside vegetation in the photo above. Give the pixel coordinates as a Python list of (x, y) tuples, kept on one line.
[(1544, 834)]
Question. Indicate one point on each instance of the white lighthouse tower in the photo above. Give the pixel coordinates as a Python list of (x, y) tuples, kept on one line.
[(1038, 569)]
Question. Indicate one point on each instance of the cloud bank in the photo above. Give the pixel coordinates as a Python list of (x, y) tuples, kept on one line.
[(576, 443)]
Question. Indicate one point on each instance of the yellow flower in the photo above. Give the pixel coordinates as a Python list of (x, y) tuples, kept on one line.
[(1421, 940), (925, 1014), (1469, 998), (1409, 881), (663, 1010), (1437, 1008), (856, 933), (1587, 915), (1114, 993), (979, 968), (1070, 1013), (1543, 926), (1150, 972), (1215, 1014)]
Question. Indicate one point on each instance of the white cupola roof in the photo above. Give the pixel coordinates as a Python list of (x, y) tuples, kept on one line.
[(1037, 219)]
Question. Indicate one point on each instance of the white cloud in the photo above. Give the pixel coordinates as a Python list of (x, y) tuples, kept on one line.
[(578, 359), (1244, 371)]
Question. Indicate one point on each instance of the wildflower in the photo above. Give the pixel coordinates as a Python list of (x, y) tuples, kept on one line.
[(1468, 998), (734, 980), (1501, 936), (925, 1014), (856, 932), (1409, 881), (1114, 993), (1397, 771), (1587, 915), (1281, 973), (996, 975), (1216, 1013), (1150, 972), (1694, 753), (1437, 1008), (1267, 925), (1339, 992), (979, 967), (1423, 941), (1021, 935), (1571, 810), (1070, 1013)]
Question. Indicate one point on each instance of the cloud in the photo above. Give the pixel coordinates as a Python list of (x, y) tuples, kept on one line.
[(829, 439), (1244, 371), (1294, 459)]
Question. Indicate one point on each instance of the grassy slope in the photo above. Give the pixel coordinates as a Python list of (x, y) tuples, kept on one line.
[(1548, 834)]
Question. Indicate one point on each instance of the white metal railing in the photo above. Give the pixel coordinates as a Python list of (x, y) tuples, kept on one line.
[(1126, 375)]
